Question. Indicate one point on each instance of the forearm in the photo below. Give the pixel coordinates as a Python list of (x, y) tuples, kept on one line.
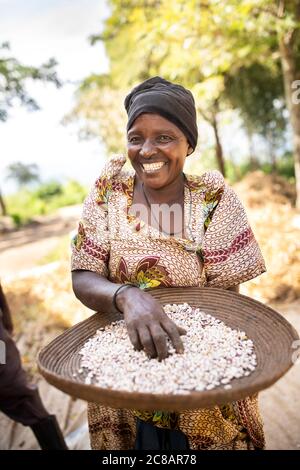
[(93, 290)]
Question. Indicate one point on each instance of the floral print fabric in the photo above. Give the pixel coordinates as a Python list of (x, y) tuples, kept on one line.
[(221, 252)]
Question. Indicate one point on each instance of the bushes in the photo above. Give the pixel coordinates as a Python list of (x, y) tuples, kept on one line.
[(26, 204), (284, 167), (72, 193), (48, 190)]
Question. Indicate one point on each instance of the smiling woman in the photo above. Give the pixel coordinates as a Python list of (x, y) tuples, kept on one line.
[(157, 152), (118, 253)]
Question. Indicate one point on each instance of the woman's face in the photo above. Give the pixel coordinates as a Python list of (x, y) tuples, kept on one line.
[(157, 149)]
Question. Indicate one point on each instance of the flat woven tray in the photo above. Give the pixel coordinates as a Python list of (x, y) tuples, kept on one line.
[(271, 334)]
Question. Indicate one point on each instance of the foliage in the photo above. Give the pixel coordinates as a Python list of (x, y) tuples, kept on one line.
[(13, 79), (258, 93), (27, 204), (203, 45), (48, 190), (23, 173), (285, 168), (100, 113)]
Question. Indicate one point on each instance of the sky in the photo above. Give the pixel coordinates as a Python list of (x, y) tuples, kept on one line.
[(36, 31)]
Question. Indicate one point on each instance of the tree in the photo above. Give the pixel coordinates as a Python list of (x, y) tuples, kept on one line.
[(258, 93), (289, 45), (151, 37), (201, 42), (271, 29), (22, 173), (13, 79), (2, 205), (100, 112)]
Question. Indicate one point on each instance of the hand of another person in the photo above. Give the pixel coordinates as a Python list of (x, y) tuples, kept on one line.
[(147, 323)]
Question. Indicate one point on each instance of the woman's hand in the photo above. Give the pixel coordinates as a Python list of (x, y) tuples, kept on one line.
[(148, 324)]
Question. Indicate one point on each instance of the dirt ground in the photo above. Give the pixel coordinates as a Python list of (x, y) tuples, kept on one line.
[(21, 251)]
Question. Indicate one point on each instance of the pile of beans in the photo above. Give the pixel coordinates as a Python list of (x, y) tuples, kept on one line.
[(214, 355)]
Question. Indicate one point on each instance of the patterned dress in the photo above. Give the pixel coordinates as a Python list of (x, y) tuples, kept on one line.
[(221, 252)]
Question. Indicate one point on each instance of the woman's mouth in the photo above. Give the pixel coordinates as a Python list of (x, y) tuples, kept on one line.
[(153, 167)]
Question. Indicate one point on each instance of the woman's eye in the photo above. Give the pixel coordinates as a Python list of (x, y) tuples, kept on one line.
[(164, 138), (133, 140)]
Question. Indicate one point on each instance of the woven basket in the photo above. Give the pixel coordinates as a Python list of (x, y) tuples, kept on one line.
[(272, 335)]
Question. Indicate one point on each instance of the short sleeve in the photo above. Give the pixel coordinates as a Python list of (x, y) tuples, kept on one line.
[(91, 246), (230, 252)]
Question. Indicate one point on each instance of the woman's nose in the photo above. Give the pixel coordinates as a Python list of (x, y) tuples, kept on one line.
[(148, 149)]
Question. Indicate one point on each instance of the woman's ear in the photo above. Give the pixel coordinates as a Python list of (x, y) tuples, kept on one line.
[(190, 150)]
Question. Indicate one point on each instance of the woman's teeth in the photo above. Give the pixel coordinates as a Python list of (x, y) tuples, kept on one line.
[(150, 167)]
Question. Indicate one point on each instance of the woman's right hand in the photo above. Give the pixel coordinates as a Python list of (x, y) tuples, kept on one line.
[(147, 323)]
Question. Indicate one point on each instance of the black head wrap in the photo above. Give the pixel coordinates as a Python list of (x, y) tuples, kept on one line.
[(169, 100)]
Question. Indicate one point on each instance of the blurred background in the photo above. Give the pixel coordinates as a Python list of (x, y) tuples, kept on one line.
[(65, 68)]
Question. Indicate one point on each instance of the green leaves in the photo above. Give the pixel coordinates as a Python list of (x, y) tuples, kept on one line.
[(13, 79), (227, 53)]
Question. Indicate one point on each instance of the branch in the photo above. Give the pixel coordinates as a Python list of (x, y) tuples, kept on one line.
[(205, 116), (270, 11), (280, 11)]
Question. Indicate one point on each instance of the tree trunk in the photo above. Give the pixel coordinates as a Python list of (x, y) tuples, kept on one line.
[(252, 159), (273, 158), (272, 151), (2, 205), (219, 149), (290, 75)]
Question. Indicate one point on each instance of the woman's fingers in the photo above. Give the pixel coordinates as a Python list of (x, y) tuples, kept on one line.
[(160, 341), (147, 341), (134, 337), (153, 338), (181, 330), (151, 329), (173, 332)]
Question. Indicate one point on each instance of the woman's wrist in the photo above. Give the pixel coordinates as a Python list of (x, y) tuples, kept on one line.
[(121, 298)]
